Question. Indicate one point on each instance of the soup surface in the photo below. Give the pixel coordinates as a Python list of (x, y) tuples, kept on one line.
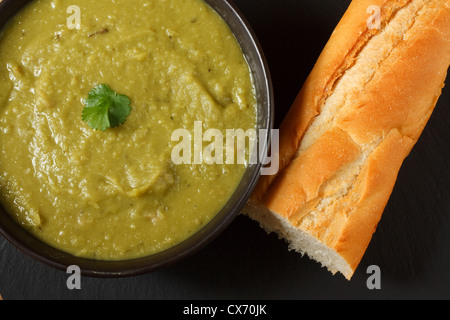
[(117, 194)]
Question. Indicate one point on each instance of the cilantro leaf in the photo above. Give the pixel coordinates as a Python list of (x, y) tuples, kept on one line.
[(104, 108)]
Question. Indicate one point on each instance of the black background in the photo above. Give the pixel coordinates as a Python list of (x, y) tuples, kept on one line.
[(411, 244)]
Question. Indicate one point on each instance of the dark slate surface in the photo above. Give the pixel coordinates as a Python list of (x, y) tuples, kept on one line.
[(410, 245)]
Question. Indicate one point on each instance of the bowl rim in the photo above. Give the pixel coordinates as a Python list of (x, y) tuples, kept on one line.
[(27, 243)]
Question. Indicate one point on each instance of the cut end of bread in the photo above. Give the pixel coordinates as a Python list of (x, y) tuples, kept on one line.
[(299, 240)]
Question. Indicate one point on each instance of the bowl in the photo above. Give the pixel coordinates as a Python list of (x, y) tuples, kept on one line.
[(55, 258)]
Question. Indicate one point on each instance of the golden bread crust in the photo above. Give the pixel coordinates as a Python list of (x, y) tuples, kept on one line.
[(357, 117)]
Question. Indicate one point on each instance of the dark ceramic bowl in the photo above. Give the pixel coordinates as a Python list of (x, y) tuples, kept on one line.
[(53, 257)]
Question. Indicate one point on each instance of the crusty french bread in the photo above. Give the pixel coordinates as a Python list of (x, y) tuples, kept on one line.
[(357, 117)]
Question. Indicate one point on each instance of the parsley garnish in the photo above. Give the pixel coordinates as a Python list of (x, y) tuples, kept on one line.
[(104, 108)]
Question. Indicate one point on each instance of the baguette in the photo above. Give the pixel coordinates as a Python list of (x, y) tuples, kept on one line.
[(355, 120)]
